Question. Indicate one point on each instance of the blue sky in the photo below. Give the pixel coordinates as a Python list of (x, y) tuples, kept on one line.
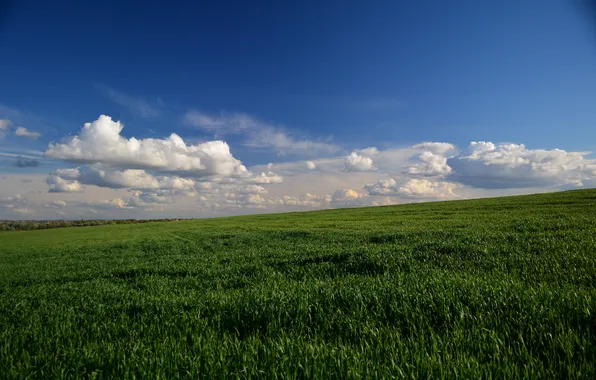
[(287, 82)]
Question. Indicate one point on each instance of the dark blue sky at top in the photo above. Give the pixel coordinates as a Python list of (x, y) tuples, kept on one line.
[(365, 72)]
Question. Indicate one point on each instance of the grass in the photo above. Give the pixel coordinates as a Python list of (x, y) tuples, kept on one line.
[(492, 288)]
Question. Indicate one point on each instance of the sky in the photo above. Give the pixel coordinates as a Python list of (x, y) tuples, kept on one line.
[(118, 109)]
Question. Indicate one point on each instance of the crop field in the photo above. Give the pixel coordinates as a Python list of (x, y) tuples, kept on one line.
[(491, 288)]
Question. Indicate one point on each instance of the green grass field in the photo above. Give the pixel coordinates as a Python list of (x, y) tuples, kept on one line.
[(502, 287)]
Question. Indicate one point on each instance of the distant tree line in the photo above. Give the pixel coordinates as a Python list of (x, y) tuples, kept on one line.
[(29, 225)]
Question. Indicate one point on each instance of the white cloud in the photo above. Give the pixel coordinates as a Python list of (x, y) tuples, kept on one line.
[(249, 189), (207, 187), (305, 200), (159, 177), (246, 199), (439, 148), (254, 199), (589, 170), (21, 210), (24, 132), (133, 178), (247, 178), (430, 164), (101, 142), (383, 187), (58, 184), (259, 134), (345, 195), (234, 196), (230, 193), (68, 173), (394, 160), (284, 144), (348, 198), (290, 168), (4, 126), (487, 165), (370, 151), (56, 204), (268, 177), (425, 188), (112, 204), (148, 199), (421, 188), (14, 206), (223, 123), (358, 163), (117, 179), (384, 201)]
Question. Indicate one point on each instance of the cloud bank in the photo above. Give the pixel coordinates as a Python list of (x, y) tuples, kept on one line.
[(488, 165), (109, 174)]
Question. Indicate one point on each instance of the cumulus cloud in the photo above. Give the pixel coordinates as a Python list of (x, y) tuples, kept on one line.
[(247, 178), (249, 189), (57, 184), (347, 198), (238, 193), (439, 148), (232, 196), (17, 199), (149, 199), (111, 204), (247, 199), (24, 132), (118, 179), (264, 178), (305, 200), (370, 151), (292, 168), (384, 201), (487, 165), (344, 195), (425, 188), (418, 188), (65, 181), (163, 174), (430, 164), (134, 178), (26, 162), (14, 205), (356, 162), (56, 205), (101, 142), (383, 187)]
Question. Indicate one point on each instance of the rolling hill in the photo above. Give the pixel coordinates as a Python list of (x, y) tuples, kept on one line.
[(500, 287)]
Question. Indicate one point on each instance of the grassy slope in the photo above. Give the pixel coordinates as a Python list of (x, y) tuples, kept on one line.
[(501, 287)]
